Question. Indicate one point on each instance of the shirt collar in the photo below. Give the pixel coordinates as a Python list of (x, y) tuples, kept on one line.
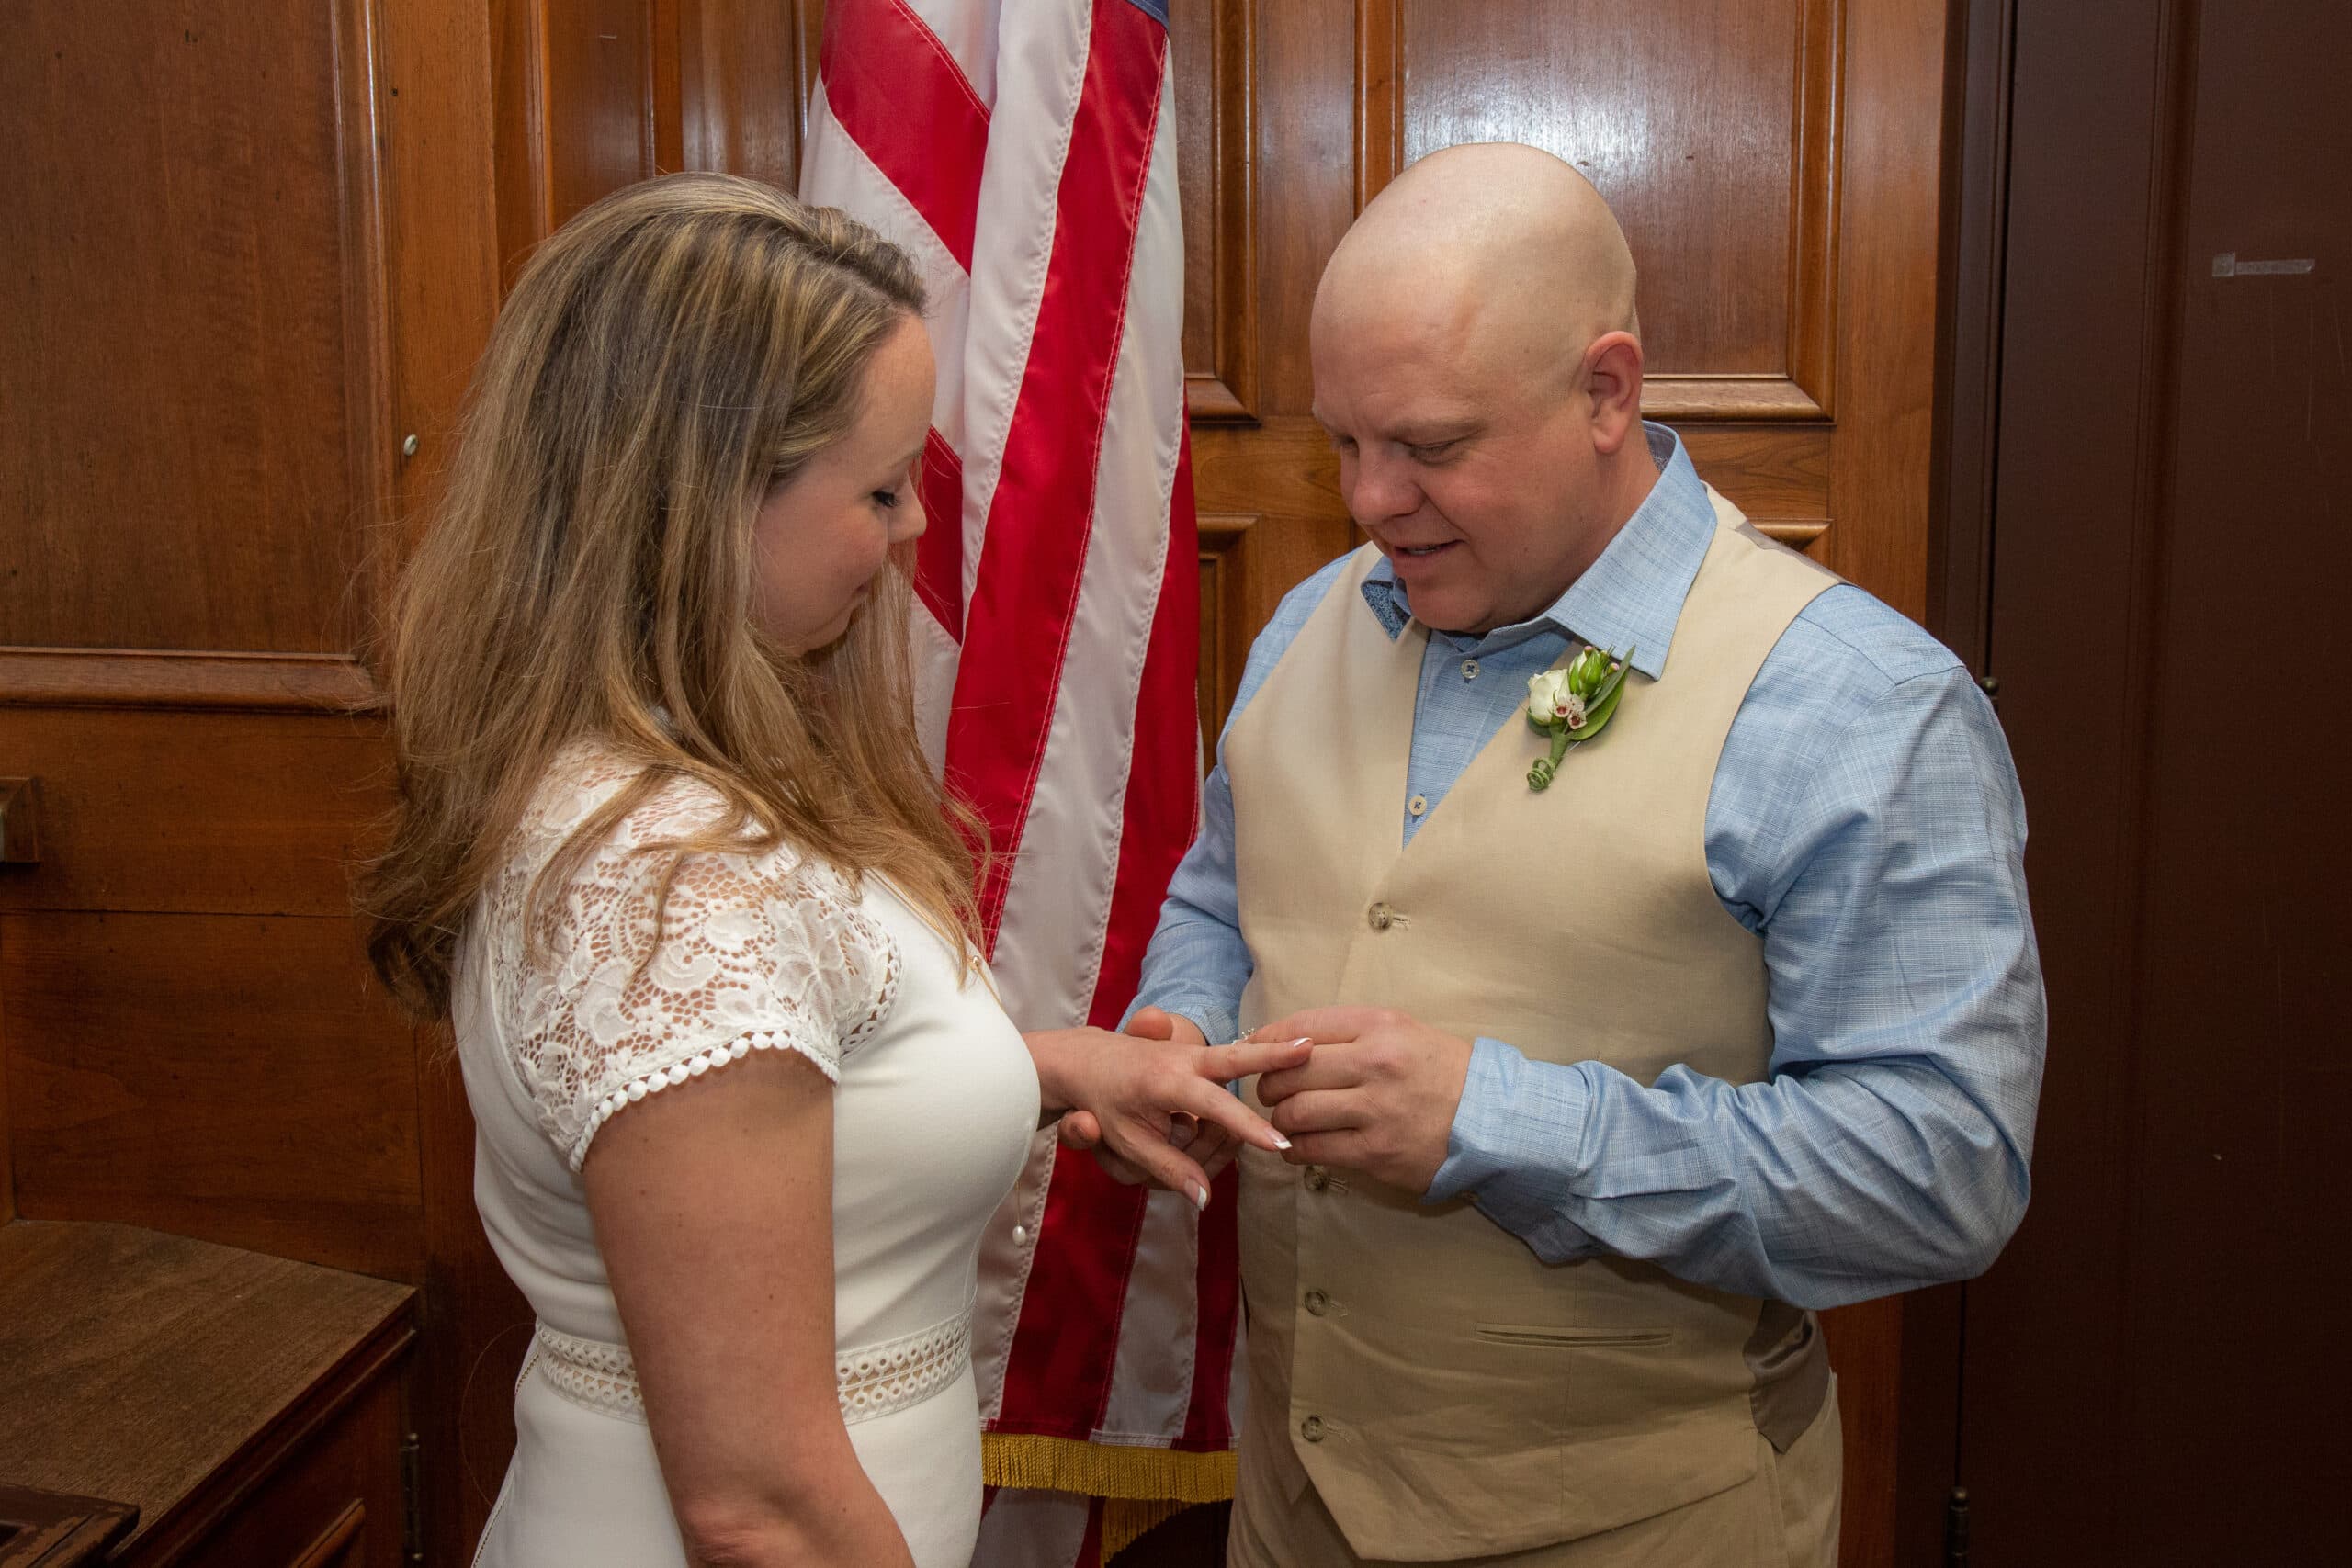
[(1631, 597)]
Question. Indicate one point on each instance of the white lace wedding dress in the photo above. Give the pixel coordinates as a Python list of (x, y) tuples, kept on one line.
[(934, 1104)]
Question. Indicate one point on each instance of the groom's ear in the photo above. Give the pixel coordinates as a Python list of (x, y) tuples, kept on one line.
[(1613, 381)]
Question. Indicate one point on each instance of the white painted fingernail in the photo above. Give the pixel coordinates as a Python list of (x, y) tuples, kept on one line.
[(1281, 1141), (1304, 1040), (1200, 1196)]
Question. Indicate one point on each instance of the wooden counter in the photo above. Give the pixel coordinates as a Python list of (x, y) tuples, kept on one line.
[(249, 1408)]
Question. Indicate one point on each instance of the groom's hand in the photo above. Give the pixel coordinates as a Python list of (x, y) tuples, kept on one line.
[(1378, 1096)]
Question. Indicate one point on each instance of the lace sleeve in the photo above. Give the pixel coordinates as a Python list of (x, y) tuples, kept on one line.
[(766, 952)]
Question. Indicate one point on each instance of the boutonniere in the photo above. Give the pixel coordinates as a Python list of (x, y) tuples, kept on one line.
[(1571, 703)]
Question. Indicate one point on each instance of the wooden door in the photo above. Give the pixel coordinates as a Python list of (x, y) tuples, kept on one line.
[(245, 264), (2156, 1371), (1776, 166)]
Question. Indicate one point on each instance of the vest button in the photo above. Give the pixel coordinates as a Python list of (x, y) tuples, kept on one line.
[(1317, 1302), (1417, 805), (1317, 1178), (1380, 916), (1311, 1428)]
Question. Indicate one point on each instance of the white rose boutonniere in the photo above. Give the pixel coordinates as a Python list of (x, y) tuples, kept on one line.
[(1571, 703)]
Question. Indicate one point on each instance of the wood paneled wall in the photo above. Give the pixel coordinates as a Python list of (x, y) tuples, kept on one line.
[(238, 316), (248, 262), (594, 94)]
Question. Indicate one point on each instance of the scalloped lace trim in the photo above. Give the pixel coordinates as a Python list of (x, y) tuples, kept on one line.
[(695, 1067), (875, 1380), (591, 1372), (869, 1380)]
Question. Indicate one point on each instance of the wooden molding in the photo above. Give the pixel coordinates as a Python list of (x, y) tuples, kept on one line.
[(1225, 629), (1380, 96), (1226, 390), (372, 442), (1801, 387), (1803, 391), (140, 678)]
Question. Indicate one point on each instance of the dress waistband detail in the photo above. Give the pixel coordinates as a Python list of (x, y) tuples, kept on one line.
[(870, 1380)]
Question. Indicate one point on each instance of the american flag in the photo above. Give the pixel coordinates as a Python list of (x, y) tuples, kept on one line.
[(1024, 152)]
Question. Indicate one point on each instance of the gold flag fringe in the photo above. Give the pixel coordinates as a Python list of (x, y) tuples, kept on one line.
[(1026, 1460), (1125, 1518)]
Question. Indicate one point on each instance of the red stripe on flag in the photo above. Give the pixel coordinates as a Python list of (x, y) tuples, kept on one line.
[(1057, 1377), (939, 554), (904, 100), (1163, 783), (1208, 1425), (1017, 628)]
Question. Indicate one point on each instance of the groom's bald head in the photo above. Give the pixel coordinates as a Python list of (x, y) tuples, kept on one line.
[(1504, 249), (1478, 365)]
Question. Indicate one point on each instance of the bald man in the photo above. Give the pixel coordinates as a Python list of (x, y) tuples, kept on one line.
[(1617, 1079)]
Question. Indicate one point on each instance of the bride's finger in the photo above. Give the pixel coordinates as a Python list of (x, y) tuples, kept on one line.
[(1246, 1058), (1213, 1104), (1163, 1164)]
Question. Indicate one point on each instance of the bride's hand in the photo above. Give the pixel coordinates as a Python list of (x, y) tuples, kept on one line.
[(1134, 1089)]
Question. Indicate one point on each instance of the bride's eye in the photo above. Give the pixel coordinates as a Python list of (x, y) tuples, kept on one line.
[(886, 497)]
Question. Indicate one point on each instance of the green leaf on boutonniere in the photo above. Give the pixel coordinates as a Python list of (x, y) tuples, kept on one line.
[(1571, 703)]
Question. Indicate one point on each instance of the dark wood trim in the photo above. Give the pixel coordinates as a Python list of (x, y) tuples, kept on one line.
[(1380, 96), (1973, 253), (1695, 396), (1228, 394), (373, 444), (1980, 37), (45, 1530), (254, 1464), (327, 1550), (1814, 200), (143, 677)]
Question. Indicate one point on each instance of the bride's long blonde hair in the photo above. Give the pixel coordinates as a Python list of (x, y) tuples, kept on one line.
[(665, 358)]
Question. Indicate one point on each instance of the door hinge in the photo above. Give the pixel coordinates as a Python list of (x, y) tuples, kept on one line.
[(412, 1499), (1956, 1528)]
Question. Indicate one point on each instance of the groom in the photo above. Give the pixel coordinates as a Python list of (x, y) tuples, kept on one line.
[(1740, 1018)]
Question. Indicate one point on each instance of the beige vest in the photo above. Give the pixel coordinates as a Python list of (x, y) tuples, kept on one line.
[(1448, 1393)]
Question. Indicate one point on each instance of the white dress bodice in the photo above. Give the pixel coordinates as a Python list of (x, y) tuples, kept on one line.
[(563, 1021)]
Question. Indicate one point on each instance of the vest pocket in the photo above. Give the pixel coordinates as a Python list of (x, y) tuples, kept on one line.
[(1531, 1333)]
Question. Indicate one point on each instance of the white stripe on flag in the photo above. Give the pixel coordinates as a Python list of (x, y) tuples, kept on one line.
[(1151, 1377), (968, 33), (1040, 71), (1033, 1530), (1057, 902), (837, 173)]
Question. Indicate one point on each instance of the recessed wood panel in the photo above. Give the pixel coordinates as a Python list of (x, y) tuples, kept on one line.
[(1712, 131), (1225, 629), (230, 1078), (598, 83), (190, 307), (1215, 128), (222, 813), (741, 95)]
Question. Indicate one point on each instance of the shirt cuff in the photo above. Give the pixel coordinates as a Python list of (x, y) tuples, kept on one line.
[(1220, 1022), (1512, 1148)]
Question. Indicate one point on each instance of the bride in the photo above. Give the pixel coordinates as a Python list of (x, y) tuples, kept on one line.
[(667, 856)]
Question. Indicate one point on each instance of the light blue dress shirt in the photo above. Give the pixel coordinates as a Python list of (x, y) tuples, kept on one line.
[(1865, 820)]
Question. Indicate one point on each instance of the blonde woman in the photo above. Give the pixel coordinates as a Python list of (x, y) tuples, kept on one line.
[(669, 858)]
